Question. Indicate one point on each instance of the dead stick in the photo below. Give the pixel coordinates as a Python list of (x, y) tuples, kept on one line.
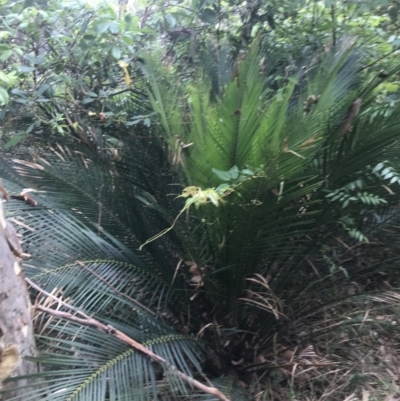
[(91, 322)]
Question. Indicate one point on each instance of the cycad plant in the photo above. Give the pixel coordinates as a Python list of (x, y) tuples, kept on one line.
[(209, 236)]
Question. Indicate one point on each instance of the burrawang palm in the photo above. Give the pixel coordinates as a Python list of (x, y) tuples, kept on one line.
[(210, 237)]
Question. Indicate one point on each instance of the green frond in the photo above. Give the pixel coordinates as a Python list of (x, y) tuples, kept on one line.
[(241, 181), (99, 284), (95, 365), (83, 185)]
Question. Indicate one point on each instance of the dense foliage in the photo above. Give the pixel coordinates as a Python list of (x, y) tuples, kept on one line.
[(217, 180)]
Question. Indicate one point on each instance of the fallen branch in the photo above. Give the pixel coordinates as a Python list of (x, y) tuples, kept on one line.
[(86, 320)]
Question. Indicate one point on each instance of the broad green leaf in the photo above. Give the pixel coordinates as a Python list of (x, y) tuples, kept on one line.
[(208, 15), (128, 18), (5, 55), (25, 68), (4, 77), (43, 88), (84, 26), (30, 128), (102, 27), (234, 172), (378, 167), (248, 172), (34, 59), (19, 92), (222, 175), (113, 28), (222, 188), (4, 98), (15, 140), (116, 53), (87, 100), (22, 101)]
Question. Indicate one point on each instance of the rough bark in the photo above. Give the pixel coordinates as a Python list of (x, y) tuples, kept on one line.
[(16, 332)]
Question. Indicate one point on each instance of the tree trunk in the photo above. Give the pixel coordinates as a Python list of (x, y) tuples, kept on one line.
[(16, 332)]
